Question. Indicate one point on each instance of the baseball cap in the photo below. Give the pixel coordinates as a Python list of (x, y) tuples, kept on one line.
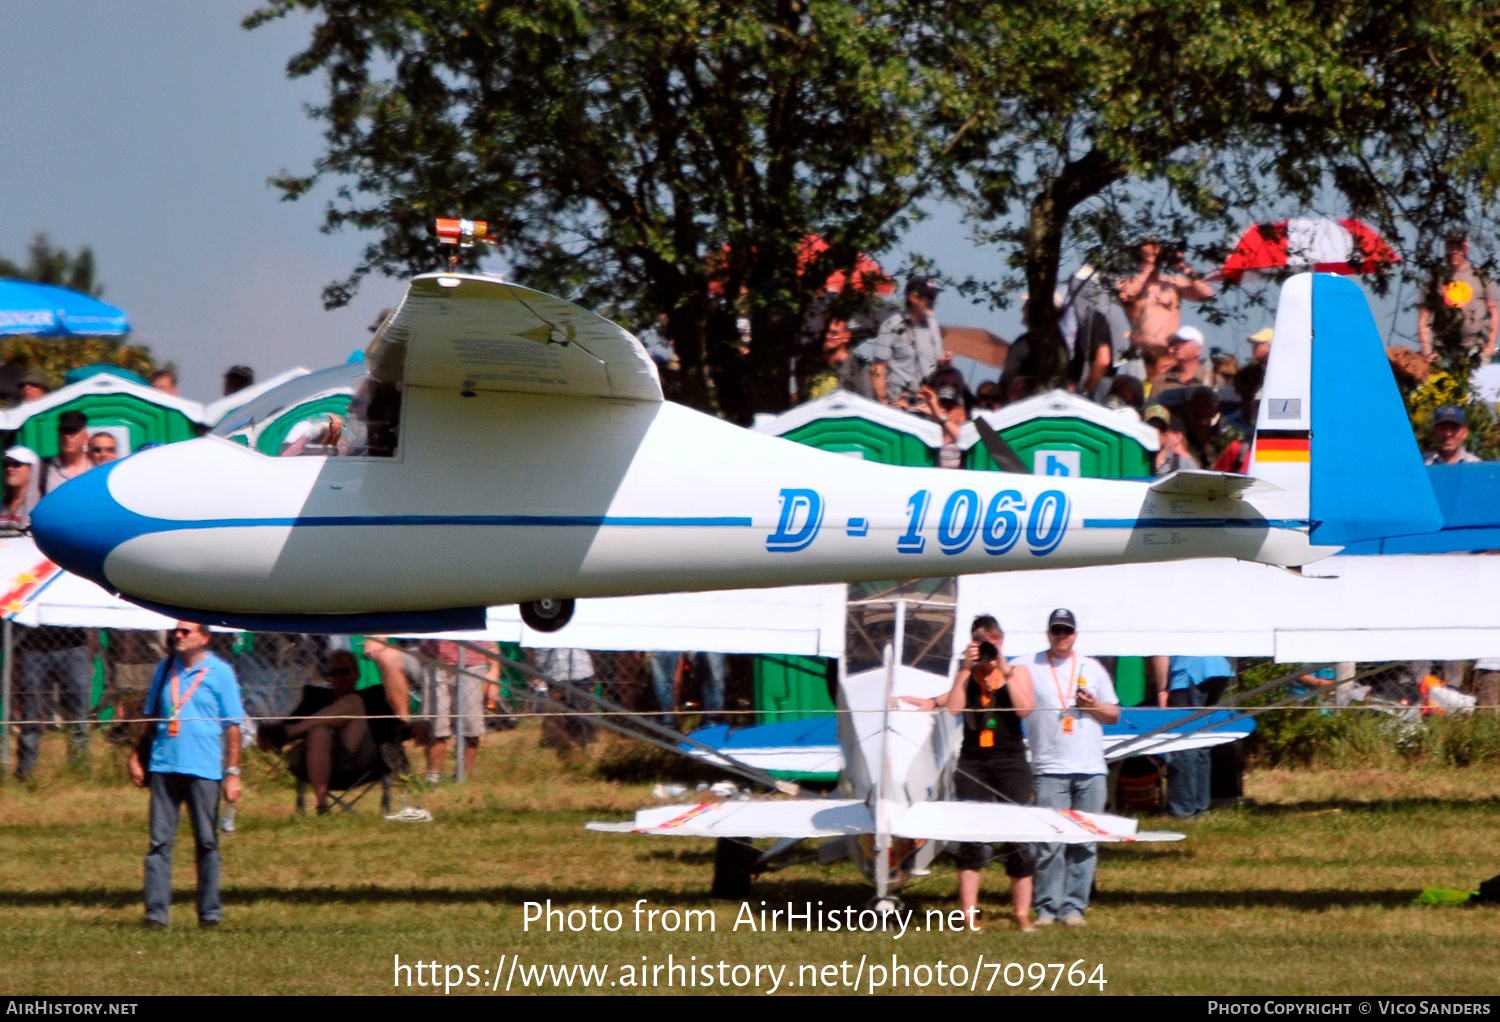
[(72, 421), (1189, 333), (1062, 616), (925, 286), (37, 378), (1262, 336), (1158, 412), (1449, 413), (948, 394), (25, 455)]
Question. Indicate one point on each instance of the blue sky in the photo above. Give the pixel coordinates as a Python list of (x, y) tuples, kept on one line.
[(147, 130)]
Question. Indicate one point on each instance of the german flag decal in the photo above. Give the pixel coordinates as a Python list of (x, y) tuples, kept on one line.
[(1283, 445)]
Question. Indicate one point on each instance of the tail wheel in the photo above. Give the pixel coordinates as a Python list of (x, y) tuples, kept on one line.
[(547, 615)]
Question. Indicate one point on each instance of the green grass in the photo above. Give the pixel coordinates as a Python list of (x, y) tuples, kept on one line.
[(1308, 891)]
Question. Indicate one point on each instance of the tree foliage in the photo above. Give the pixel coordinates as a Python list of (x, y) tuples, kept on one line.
[(641, 156), (1105, 120), (46, 264)]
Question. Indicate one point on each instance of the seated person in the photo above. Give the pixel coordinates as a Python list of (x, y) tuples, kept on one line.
[(337, 739)]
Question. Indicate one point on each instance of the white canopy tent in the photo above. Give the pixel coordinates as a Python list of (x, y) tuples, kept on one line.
[(1434, 606)]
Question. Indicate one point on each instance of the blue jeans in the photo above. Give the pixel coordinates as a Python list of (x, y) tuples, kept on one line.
[(1188, 772), (168, 793), (664, 677), (68, 672), (1065, 873)]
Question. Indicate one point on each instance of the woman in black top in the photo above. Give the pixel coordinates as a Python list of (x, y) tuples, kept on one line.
[(992, 696)]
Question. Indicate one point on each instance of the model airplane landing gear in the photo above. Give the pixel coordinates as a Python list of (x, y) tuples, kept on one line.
[(547, 615)]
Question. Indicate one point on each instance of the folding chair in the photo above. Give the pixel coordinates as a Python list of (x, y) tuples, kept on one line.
[(346, 787)]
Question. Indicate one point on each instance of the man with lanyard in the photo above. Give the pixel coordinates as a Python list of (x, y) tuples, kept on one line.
[(991, 696), (182, 757), (1074, 700)]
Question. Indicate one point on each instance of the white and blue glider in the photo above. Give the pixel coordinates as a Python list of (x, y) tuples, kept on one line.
[(510, 447)]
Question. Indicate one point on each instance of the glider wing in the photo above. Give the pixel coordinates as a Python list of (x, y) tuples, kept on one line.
[(465, 332)]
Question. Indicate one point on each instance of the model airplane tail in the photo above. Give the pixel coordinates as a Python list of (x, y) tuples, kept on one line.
[(1333, 434)]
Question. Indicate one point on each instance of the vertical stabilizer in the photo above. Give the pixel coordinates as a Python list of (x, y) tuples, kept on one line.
[(1333, 432)]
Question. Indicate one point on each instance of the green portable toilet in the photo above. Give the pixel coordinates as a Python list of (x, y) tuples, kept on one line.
[(264, 421), (792, 688), (136, 415), (1062, 434), (848, 424)]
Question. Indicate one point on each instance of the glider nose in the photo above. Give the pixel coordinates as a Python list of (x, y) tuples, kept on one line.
[(80, 522)]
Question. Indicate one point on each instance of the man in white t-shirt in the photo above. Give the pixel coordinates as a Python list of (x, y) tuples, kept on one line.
[(1074, 700)]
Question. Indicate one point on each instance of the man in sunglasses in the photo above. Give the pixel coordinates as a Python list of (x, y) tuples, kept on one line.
[(1065, 730), (191, 746), (103, 448)]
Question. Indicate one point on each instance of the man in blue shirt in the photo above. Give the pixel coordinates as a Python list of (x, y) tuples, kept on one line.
[(1190, 681), (197, 700)]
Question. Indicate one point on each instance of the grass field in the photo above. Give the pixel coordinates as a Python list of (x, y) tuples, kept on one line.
[(1307, 891)]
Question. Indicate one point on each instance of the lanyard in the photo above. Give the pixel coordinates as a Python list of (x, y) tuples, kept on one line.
[(1063, 702), (179, 702)]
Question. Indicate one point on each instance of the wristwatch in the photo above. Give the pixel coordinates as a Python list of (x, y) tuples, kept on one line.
[(232, 771)]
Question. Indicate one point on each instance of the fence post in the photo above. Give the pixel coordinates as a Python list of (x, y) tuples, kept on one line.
[(458, 717), (6, 649)]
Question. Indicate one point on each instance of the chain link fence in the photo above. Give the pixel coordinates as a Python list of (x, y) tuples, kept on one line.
[(92, 684)]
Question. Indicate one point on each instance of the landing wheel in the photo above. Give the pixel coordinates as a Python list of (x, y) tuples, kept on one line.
[(890, 903), (547, 615), (733, 862)]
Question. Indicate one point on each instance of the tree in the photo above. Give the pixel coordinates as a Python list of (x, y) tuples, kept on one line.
[(48, 265), (640, 156), (56, 355), (1103, 120)]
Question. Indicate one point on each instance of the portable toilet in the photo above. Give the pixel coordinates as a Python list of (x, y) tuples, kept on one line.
[(134, 414), (264, 421), (1062, 434), (855, 426)]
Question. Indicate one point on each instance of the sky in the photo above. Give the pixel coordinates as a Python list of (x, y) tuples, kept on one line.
[(148, 130)]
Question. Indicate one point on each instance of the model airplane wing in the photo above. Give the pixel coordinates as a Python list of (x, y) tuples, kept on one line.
[(990, 821), (1144, 731), (464, 332), (795, 818), (1210, 485)]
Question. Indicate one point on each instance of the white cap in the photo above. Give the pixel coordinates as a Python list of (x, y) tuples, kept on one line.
[(25, 455), (1189, 333)]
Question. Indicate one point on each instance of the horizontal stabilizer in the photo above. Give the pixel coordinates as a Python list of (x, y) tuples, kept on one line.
[(990, 821), (1190, 482), (795, 818)]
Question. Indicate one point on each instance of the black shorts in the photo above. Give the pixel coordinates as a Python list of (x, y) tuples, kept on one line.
[(1001, 779)]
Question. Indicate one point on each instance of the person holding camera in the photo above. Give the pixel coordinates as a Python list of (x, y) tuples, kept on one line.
[(1153, 297), (991, 696)]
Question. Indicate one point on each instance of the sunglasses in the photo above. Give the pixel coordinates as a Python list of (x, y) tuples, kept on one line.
[(184, 631), (96, 449), (14, 464), (342, 672), (1059, 630)]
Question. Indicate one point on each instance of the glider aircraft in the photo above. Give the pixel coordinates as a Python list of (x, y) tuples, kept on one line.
[(506, 446)]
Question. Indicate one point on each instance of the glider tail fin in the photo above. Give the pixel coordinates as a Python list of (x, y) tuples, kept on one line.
[(1332, 431)]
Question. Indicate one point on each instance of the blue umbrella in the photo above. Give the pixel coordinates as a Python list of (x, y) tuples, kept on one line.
[(50, 311)]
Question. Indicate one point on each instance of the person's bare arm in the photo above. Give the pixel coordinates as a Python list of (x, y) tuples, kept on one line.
[(1104, 713), (345, 706), (232, 781), (1424, 330), (1494, 307), (1192, 289), (392, 678), (1161, 668), (1103, 358), (877, 381), (1131, 288)]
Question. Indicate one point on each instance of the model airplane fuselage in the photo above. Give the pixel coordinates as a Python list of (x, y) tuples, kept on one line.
[(517, 449)]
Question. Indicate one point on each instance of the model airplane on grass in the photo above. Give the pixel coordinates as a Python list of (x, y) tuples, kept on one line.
[(893, 809), (505, 446)]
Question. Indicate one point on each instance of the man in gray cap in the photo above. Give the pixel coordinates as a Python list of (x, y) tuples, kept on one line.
[(34, 385), (909, 346), (72, 458), (1450, 431), (1075, 698)]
